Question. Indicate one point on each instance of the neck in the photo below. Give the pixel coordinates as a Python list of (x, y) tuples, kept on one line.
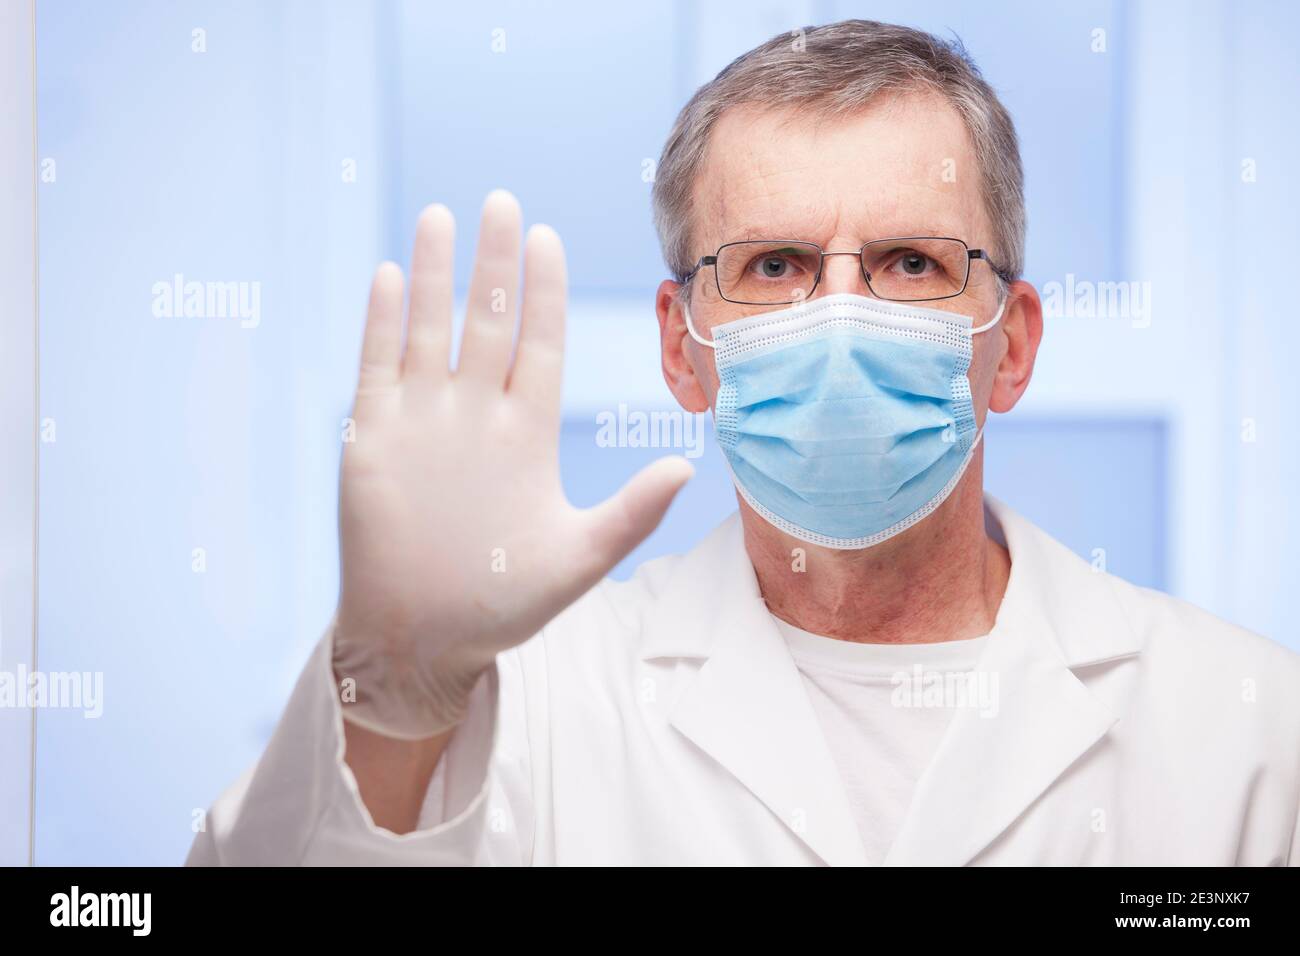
[(940, 580)]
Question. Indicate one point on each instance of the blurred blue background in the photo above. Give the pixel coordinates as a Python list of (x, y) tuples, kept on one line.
[(292, 144)]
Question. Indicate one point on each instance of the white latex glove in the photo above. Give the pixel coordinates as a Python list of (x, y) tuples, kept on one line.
[(457, 541)]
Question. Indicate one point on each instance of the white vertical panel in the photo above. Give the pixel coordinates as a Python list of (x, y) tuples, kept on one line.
[(1260, 144), (17, 414), (178, 433), (1178, 185)]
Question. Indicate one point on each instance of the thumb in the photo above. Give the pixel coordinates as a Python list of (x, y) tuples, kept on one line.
[(625, 519)]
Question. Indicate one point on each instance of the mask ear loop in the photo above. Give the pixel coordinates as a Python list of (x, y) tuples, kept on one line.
[(992, 322), (979, 435), (690, 326)]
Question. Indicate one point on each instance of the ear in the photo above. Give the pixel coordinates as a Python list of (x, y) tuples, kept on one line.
[(680, 355), (1022, 325)]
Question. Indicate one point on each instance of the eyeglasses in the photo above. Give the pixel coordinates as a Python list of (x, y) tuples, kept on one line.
[(903, 269)]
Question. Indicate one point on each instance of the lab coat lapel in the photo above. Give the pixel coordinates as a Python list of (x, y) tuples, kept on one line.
[(988, 769), (746, 706), (1056, 614)]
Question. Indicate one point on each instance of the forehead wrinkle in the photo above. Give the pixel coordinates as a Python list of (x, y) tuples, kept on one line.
[(748, 187), (819, 220), (901, 215), (808, 220), (821, 223)]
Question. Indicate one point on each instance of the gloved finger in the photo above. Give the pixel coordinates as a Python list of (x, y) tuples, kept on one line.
[(493, 294), (626, 518), (539, 356), (381, 348), (428, 334)]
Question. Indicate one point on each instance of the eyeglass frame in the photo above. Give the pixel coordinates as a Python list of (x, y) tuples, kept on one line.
[(862, 266)]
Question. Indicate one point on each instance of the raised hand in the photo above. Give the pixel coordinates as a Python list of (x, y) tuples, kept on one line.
[(457, 541)]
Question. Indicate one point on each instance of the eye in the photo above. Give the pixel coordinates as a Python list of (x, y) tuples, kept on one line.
[(777, 264), (772, 267), (912, 263)]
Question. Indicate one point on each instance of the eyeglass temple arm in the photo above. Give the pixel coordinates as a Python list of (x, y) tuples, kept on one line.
[(704, 261), (997, 270)]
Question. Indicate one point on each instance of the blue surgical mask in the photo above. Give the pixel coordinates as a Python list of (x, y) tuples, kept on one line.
[(845, 420)]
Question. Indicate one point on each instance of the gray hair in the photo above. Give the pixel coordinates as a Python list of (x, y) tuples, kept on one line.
[(835, 70)]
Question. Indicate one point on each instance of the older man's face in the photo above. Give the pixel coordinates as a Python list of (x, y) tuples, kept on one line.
[(902, 167)]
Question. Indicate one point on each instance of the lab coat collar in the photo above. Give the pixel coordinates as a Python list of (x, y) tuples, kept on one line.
[(747, 706)]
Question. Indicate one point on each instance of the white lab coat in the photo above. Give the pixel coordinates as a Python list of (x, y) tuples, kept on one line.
[(661, 720)]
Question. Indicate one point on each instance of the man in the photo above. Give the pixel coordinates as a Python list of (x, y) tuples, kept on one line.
[(871, 662)]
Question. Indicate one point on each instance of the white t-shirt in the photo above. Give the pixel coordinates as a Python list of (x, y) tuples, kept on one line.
[(881, 732)]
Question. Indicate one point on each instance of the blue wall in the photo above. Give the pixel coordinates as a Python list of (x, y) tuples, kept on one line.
[(231, 164)]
